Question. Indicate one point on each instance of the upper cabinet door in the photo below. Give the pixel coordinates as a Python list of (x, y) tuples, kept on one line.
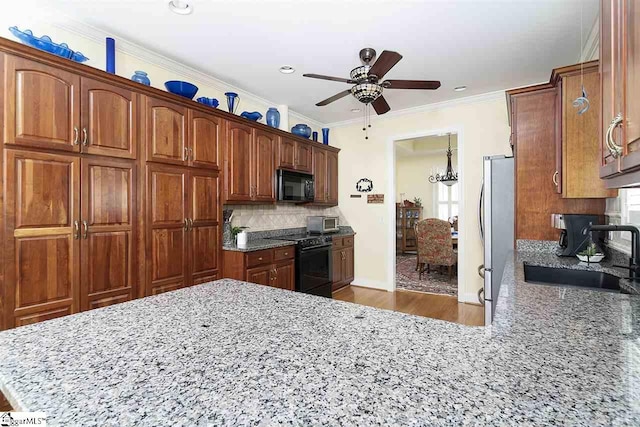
[(264, 168), (320, 174), (166, 132), (332, 178), (287, 153), (630, 32), (109, 120), (609, 164), (304, 157), (41, 105), (107, 232), (238, 158), (204, 227), (206, 136), (41, 236)]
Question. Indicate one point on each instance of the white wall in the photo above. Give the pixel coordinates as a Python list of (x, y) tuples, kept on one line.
[(131, 57), (482, 127)]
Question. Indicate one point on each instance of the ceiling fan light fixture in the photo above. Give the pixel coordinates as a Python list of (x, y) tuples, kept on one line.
[(287, 69), (460, 88), (180, 7), (366, 92), (361, 73)]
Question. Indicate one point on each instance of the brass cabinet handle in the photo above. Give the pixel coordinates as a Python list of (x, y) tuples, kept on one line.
[(190, 224), (75, 135), (191, 153), (85, 233), (186, 224), (186, 154), (614, 148), (85, 137), (555, 178), (76, 230)]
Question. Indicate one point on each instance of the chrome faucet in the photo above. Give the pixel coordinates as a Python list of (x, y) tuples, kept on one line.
[(634, 261)]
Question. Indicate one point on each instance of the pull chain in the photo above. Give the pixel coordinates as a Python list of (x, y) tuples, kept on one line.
[(367, 120)]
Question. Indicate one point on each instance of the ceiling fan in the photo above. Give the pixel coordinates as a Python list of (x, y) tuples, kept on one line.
[(367, 80)]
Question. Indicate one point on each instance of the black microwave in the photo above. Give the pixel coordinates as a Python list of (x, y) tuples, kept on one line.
[(295, 186)]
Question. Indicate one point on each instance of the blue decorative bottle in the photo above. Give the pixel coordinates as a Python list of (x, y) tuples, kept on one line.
[(141, 77), (314, 136), (325, 136), (231, 101), (111, 55), (273, 117)]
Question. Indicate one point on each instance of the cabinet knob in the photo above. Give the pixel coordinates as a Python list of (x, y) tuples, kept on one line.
[(260, 259), (614, 148)]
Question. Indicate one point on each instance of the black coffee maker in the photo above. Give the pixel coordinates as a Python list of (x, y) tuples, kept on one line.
[(573, 238)]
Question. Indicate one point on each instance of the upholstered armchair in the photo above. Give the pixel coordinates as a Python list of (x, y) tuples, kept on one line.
[(435, 245)]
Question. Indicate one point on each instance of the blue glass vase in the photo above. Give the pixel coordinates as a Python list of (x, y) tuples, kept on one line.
[(273, 117), (141, 77), (232, 105), (325, 136), (111, 55), (314, 136)]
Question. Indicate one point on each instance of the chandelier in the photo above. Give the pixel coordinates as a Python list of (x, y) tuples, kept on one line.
[(449, 177)]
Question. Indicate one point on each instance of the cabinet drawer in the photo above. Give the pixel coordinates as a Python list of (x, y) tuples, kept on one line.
[(259, 258), (338, 242), (280, 254), (347, 241)]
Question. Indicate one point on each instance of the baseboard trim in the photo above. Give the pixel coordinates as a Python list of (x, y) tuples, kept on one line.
[(373, 284)]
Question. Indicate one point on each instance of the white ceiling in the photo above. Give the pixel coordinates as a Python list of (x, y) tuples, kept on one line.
[(486, 45)]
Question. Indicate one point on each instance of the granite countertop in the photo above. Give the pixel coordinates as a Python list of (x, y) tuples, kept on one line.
[(268, 241), (258, 245), (233, 353)]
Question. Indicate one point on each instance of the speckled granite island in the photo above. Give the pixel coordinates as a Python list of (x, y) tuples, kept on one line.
[(232, 353)]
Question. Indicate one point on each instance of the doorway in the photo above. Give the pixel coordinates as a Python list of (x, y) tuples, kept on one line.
[(427, 214)]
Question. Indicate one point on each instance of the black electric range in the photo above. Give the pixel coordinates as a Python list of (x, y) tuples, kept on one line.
[(314, 272)]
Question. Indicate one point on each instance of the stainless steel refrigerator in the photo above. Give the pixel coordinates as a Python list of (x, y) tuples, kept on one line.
[(496, 211)]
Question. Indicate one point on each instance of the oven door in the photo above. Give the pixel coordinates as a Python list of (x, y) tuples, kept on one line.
[(314, 270)]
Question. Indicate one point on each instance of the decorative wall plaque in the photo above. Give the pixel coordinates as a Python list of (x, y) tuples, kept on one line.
[(365, 185), (375, 198)]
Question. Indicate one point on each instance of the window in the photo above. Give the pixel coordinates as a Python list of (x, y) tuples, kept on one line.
[(623, 210), (446, 201)]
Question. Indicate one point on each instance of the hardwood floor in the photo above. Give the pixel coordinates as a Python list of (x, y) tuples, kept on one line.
[(4, 405), (441, 307)]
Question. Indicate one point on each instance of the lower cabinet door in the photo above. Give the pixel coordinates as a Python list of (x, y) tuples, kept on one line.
[(260, 275), (166, 229), (348, 265), (285, 275), (107, 232), (337, 268), (41, 246)]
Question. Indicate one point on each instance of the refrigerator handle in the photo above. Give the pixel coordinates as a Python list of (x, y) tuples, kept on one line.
[(480, 218)]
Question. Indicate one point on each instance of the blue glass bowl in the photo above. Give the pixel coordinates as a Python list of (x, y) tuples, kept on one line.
[(302, 130), (45, 43), (254, 116), (181, 88), (211, 102)]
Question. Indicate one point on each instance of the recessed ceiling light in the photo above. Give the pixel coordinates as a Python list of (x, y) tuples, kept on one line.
[(180, 7), (287, 69), (355, 110), (460, 88)]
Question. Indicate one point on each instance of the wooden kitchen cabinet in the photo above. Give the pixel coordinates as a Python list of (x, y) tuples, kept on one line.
[(250, 158), (325, 171), (332, 178), (269, 267), (206, 135), (295, 155), (620, 70), (183, 236), (107, 232), (577, 145), (109, 120), (41, 237), (41, 105), (166, 128), (343, 261)]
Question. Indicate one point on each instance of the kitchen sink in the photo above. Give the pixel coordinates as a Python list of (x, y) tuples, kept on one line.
[(592, 280)]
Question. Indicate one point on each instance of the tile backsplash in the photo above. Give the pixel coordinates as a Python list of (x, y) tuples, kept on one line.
[(272, 217)]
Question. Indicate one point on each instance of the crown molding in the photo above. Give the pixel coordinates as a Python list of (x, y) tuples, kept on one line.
[(592, 44), (473, 99), (167, 63)]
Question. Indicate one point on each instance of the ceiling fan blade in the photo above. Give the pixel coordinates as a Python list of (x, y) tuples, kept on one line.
[(335, 79), (412, 84), (380, 105), (384, 63), (334, 98)]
